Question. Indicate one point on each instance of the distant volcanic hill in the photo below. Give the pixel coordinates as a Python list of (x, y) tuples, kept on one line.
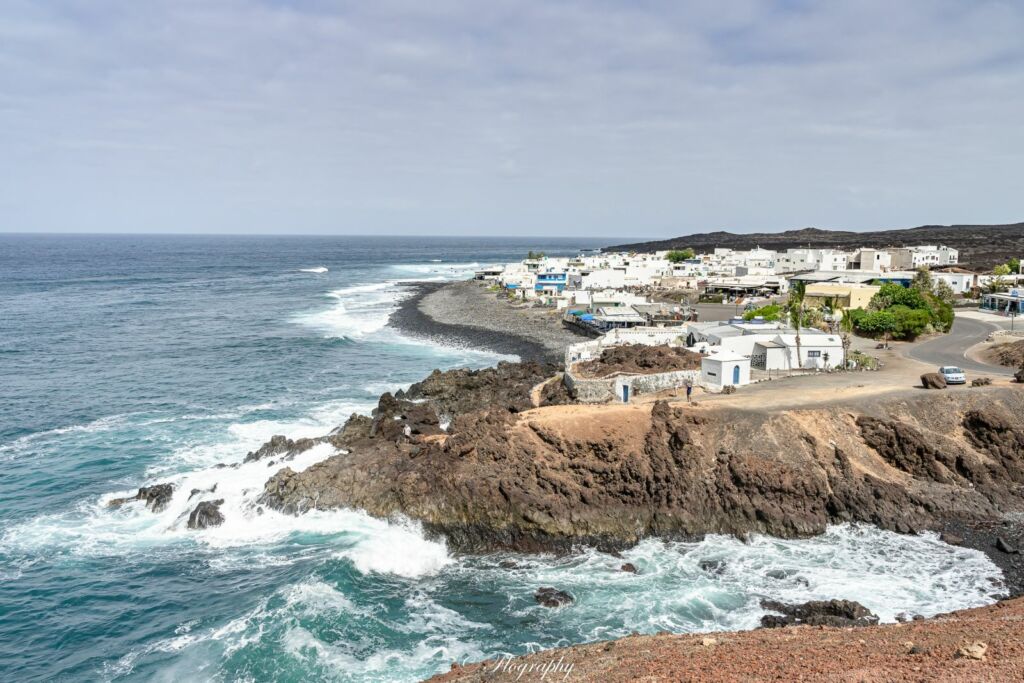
[(980, 246)]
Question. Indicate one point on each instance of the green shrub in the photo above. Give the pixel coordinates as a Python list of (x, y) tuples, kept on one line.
[(877, 322), (680, 255), (914, 311), (771, 313)]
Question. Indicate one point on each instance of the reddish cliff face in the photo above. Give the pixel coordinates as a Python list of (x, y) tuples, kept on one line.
[(556, 477)]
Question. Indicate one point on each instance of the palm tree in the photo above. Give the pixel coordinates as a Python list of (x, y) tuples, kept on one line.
[(846, 325), (796, 314)]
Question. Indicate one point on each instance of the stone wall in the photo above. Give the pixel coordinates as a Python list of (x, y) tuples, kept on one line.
[(608, 389), (1001, 335)]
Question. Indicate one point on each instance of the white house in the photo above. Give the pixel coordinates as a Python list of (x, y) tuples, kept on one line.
[(924, 256), (876, 260), (795, 260), (817, 352), (724, 369), (961, 281)]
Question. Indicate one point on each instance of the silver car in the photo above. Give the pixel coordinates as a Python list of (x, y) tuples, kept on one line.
[(953, 374)]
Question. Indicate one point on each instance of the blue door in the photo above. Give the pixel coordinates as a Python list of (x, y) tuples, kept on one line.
[(735, 374), (625, 393)]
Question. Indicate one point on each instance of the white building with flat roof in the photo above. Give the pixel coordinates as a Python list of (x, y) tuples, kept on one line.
[(874, 260), (923, 256), (724, 369), (817, 352)]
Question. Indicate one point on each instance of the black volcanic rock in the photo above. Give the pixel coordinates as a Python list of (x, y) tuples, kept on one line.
[(841, 613), (279, 445), (551, 597), (156, 497), (1004, 547), (206, 514), (459, 391)]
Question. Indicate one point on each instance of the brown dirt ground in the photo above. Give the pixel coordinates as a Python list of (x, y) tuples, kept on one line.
[(1008, 354), (917, 651)]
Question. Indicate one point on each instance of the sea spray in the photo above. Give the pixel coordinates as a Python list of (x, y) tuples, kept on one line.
[(481, 607)]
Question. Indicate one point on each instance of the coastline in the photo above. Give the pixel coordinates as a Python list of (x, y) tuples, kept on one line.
[(463, 313)]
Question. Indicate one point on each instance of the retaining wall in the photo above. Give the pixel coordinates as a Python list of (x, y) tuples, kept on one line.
[(608, 389)]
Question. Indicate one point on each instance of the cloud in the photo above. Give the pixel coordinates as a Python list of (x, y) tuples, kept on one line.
[(456, 116)]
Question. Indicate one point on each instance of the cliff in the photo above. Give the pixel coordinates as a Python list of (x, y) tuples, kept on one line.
[(555, 477)]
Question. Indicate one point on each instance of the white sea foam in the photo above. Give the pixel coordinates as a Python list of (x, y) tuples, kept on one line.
[(454, 271), (289, 624), (95, 529), (887, 572), (318, 269), (244, 436), (378, 388), (26, 444), (398, 549), (356, 311), (425, 657)]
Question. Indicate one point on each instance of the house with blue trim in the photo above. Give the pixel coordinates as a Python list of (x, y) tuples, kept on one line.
[(551, 283)]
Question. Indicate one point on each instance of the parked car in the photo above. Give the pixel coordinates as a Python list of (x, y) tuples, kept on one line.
[(953, 374)]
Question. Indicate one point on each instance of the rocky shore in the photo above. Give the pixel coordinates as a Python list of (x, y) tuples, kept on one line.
[(501, 459), (467, 455), (466, 313)]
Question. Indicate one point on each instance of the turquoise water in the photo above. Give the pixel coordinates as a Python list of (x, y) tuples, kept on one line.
[(131, 360)]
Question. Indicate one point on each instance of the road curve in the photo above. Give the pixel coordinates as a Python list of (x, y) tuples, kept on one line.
[(951, 349)]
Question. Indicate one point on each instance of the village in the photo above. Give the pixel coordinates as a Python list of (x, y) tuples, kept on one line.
[(674, 320)]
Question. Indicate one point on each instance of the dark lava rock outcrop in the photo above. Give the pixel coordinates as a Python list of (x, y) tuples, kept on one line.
[(551, 597), (639, 359), (460, 391), (608, 476), (156, 497), (206, 514), (281, 445), (839, 613), (933, 380)]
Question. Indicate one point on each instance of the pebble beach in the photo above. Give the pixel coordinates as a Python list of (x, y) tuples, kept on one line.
[(468, 313)]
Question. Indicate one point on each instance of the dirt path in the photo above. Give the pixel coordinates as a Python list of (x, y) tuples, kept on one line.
[(901, 375), (536, 393)]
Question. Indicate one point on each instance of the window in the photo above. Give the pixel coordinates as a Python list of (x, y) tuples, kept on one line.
[(814, 354)]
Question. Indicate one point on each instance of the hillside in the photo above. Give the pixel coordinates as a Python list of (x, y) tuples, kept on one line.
[(980, 246)]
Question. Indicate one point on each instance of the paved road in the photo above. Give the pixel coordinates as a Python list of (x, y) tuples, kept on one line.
[(950, 349)]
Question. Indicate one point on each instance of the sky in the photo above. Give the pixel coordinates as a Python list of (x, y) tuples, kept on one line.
[(462, 117)]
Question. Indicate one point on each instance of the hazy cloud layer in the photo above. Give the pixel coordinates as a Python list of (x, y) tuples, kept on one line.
[(452, 116)]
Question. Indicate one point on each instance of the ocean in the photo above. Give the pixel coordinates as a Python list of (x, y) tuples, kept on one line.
[(128, 360)]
